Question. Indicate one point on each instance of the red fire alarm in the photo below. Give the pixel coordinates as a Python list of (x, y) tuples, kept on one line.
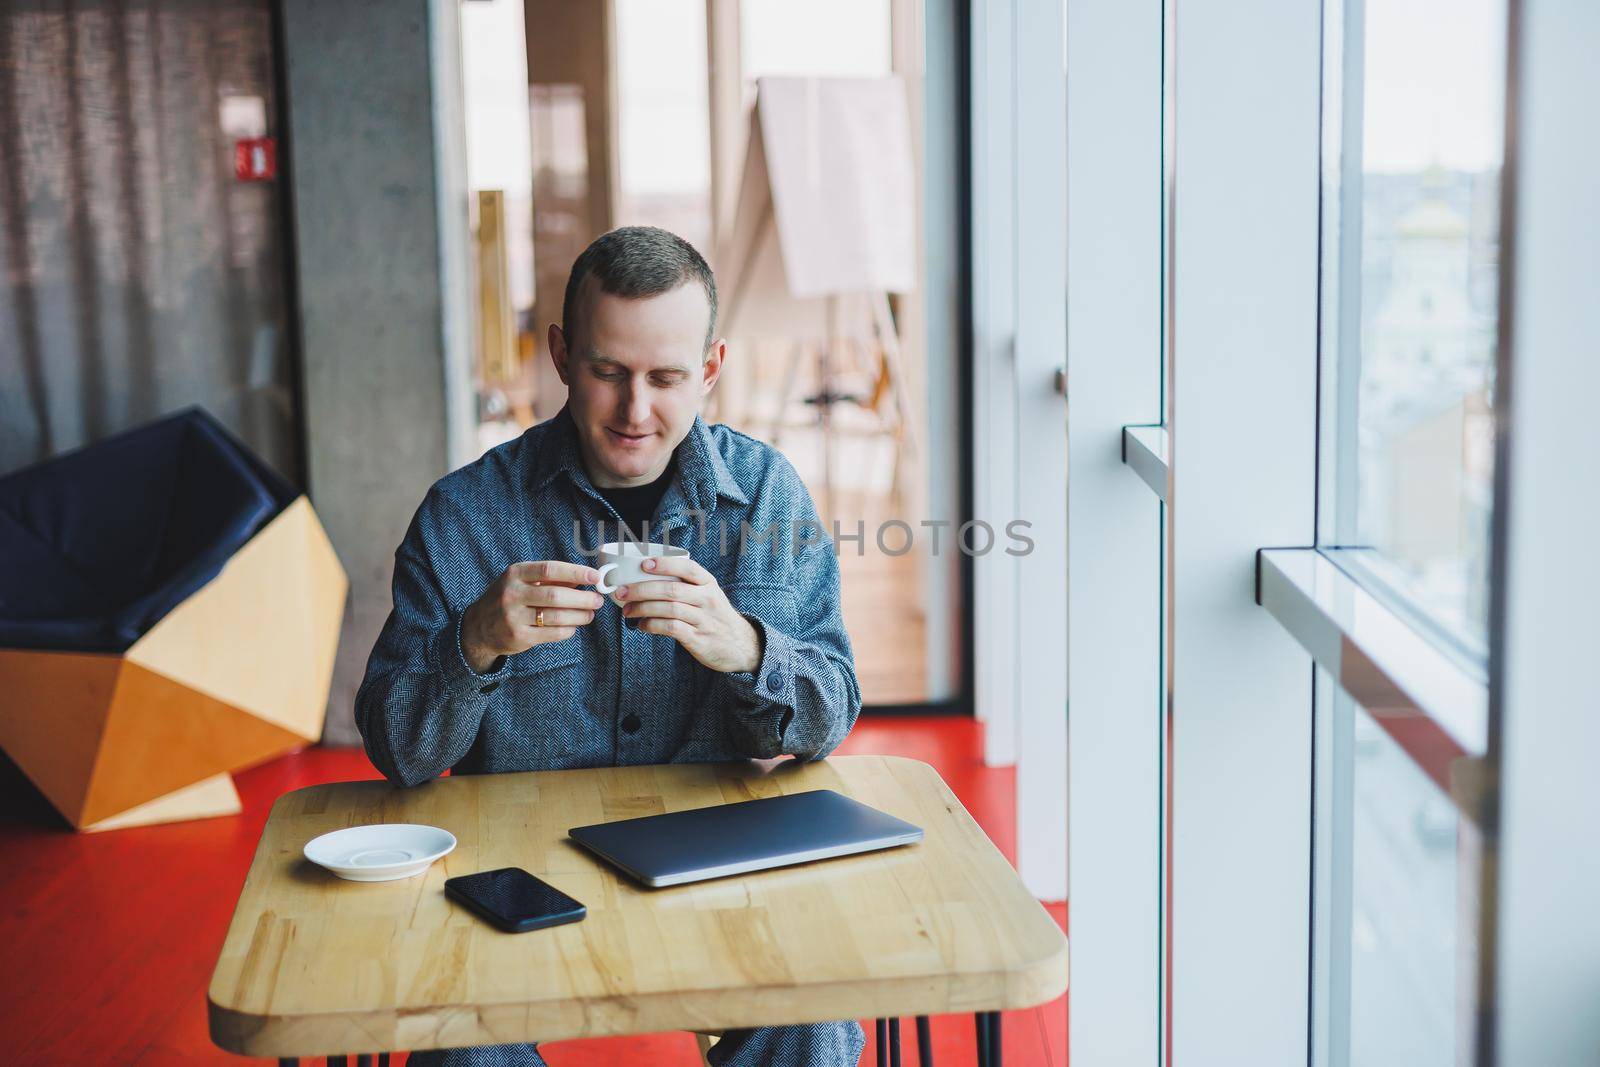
[(255, 159)]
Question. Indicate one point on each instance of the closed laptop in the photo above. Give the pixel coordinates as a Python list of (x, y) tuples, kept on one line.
[(752, 835)]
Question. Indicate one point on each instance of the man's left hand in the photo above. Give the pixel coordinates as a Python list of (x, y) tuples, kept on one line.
[(694, 612)]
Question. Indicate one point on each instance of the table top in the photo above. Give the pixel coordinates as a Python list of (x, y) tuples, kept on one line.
[(314, 965)]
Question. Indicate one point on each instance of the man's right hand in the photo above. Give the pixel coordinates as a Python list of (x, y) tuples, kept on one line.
[(501, 622)]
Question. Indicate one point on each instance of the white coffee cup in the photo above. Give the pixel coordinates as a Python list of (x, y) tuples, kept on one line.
[(622, 562)]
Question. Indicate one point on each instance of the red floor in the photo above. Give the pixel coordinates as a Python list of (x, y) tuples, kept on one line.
[(107, 940)]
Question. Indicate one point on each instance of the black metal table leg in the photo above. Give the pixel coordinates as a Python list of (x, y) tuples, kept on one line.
[(894, 1042), (883, 1042), (924, 1043), (988, 1027)]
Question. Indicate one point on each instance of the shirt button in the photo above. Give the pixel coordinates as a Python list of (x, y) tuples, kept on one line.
[(775, 682), (491, 687), (631, 724)]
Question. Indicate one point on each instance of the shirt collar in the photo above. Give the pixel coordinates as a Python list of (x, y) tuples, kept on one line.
[(702, 471)]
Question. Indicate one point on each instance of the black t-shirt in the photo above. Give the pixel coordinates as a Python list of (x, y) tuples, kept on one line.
[(637, 504)]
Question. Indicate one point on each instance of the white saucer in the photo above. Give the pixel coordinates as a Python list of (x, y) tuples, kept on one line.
[(381, 852)]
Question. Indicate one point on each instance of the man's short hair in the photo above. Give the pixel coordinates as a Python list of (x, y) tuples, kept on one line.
[(634, 262)]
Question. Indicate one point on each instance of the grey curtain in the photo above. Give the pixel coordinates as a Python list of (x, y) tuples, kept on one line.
[(140, 276)]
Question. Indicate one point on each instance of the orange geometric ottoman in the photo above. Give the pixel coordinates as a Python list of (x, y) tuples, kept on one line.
[(236, 674)]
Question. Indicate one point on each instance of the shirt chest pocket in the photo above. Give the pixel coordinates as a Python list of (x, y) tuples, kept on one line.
[(554, 673), (775, 605)]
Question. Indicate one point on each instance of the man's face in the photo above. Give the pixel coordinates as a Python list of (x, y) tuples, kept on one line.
[(636, 377)]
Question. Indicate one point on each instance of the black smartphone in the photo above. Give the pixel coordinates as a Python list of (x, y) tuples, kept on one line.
[(513, 899)]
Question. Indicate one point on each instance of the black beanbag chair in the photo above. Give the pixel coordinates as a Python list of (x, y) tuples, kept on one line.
[(98, 545)]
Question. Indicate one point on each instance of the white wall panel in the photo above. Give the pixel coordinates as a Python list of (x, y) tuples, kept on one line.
[(1242, 391), (1113, 122)]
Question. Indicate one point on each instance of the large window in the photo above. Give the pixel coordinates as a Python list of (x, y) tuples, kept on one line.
[(1414, 139), (1398, 909), (1413, 144)]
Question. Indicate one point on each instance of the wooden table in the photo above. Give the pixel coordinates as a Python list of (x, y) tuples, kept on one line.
[(313, 965)]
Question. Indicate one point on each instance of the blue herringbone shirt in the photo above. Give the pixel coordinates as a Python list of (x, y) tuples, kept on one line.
[(610, 695)]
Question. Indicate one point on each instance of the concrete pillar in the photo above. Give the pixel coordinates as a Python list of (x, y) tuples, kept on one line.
[(374, 160)]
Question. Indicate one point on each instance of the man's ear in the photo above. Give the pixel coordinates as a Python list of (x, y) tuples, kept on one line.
[(711, 369), (558, 352)]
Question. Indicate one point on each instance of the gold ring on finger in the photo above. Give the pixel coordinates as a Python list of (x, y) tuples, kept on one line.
[(538, 617)]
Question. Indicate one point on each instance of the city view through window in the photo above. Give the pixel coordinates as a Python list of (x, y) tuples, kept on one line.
[(1431, 134), (1410, 311)]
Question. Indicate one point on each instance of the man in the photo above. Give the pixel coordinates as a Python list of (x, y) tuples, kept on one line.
[(496, 658)]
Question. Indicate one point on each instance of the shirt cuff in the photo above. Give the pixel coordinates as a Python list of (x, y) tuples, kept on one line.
[(458, 673), (772, 682)]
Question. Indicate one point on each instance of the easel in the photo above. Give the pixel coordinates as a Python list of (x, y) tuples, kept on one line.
[(820, 220), (890, 378)]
